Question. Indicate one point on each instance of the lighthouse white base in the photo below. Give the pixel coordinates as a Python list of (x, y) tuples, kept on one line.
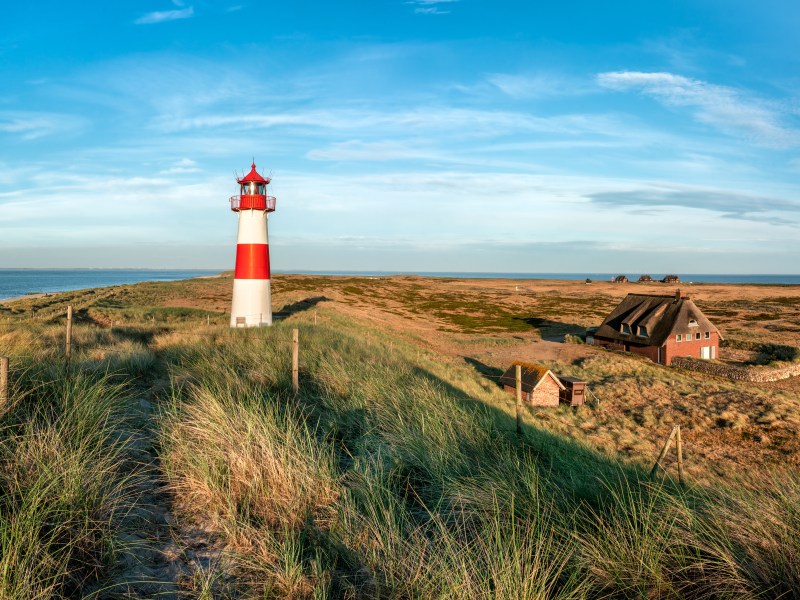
[(252, 303)]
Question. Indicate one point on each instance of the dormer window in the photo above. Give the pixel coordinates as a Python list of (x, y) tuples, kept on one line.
[(626, 328), (642, 331), (692, 322)]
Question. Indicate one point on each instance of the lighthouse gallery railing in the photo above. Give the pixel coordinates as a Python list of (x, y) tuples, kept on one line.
[(255, 201)]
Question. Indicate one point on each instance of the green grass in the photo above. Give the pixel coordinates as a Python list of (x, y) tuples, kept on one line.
[(401, 477), (65, 485), (392, 474)]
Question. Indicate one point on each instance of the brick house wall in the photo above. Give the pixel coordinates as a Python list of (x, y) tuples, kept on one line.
[(669, 350), (546, 394), (690, 348), (650, 352)]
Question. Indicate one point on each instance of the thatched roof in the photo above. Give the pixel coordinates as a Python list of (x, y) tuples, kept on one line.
[(651, 319), (645, 278), (620, 279), (532, 376)]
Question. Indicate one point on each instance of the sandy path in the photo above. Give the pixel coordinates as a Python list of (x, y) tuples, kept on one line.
[(163, 557)]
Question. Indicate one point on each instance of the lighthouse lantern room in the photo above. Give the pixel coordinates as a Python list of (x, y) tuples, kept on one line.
[(252, 296)]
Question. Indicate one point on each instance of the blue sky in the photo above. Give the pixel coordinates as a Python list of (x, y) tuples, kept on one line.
[(433, 135)]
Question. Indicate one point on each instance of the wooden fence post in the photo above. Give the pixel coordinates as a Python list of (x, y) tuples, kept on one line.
[(295, 360), (69, 334), (3, 380), (518, 375), (679, 448), (664, 450), (315, 317)]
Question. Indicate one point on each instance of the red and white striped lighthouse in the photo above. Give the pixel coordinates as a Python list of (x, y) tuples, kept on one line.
[(252, 297)]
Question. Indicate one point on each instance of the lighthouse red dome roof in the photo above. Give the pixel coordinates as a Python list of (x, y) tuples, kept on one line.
[(253, 176)]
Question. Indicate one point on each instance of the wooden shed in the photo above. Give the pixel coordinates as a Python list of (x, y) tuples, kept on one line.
[(645, 279), (620, 279), (574, 392), (540, 387)]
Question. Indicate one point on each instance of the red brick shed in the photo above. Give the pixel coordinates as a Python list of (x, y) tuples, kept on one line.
[(540, 387), (660, 328)]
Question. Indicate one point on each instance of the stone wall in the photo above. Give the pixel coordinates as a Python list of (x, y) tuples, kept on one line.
[(743, 373)]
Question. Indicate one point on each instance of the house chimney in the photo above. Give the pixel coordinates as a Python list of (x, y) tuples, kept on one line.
[(679, 295)]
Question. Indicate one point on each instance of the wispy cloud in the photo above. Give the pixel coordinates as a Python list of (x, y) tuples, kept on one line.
[(31, 125), (729, 204), (184, 165), (727, 109), (165, 15), (538, 85), (430, 7)]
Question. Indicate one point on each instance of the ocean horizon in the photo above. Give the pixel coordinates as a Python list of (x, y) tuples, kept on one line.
[(752, 278), (15, 283)]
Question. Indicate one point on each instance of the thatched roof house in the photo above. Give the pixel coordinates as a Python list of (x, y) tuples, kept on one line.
[(540, 387), (671, 279), (620, 279), (660, 328), (645, 279)]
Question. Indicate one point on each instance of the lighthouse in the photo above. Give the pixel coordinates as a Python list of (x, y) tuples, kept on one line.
[(252, 297)]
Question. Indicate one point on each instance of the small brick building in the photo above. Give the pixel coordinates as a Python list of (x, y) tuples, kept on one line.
[(660, 328), (540, 387), (620, 279)]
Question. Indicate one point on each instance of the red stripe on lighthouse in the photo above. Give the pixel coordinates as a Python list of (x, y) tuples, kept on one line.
[(252, 261)]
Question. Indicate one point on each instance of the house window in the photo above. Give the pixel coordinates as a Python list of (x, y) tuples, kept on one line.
[(642, 331), (708, 335), (678, 338), (697, 335), (692, 323), (626, 328)]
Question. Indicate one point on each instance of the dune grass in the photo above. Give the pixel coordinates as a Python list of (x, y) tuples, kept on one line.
[(65, 482), (392, 474)]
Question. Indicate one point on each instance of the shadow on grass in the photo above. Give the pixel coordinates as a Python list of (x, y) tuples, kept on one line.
[(491, 373), (554, 330), (298, 307)]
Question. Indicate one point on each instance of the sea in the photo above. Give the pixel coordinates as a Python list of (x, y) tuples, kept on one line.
[(20, 282), (778, 279)]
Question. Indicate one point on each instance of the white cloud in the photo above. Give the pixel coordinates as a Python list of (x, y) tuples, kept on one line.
[(430, 7), (537, 86), (165, 15), (185, 165), (33, 125), (724, 108)]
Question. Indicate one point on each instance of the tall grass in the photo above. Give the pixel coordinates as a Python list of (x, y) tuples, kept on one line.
[(392, 476), (65, 484)]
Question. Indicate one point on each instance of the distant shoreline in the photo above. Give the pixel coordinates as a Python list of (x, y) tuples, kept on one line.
[(687, 278), (30, 284), (96, 279)]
